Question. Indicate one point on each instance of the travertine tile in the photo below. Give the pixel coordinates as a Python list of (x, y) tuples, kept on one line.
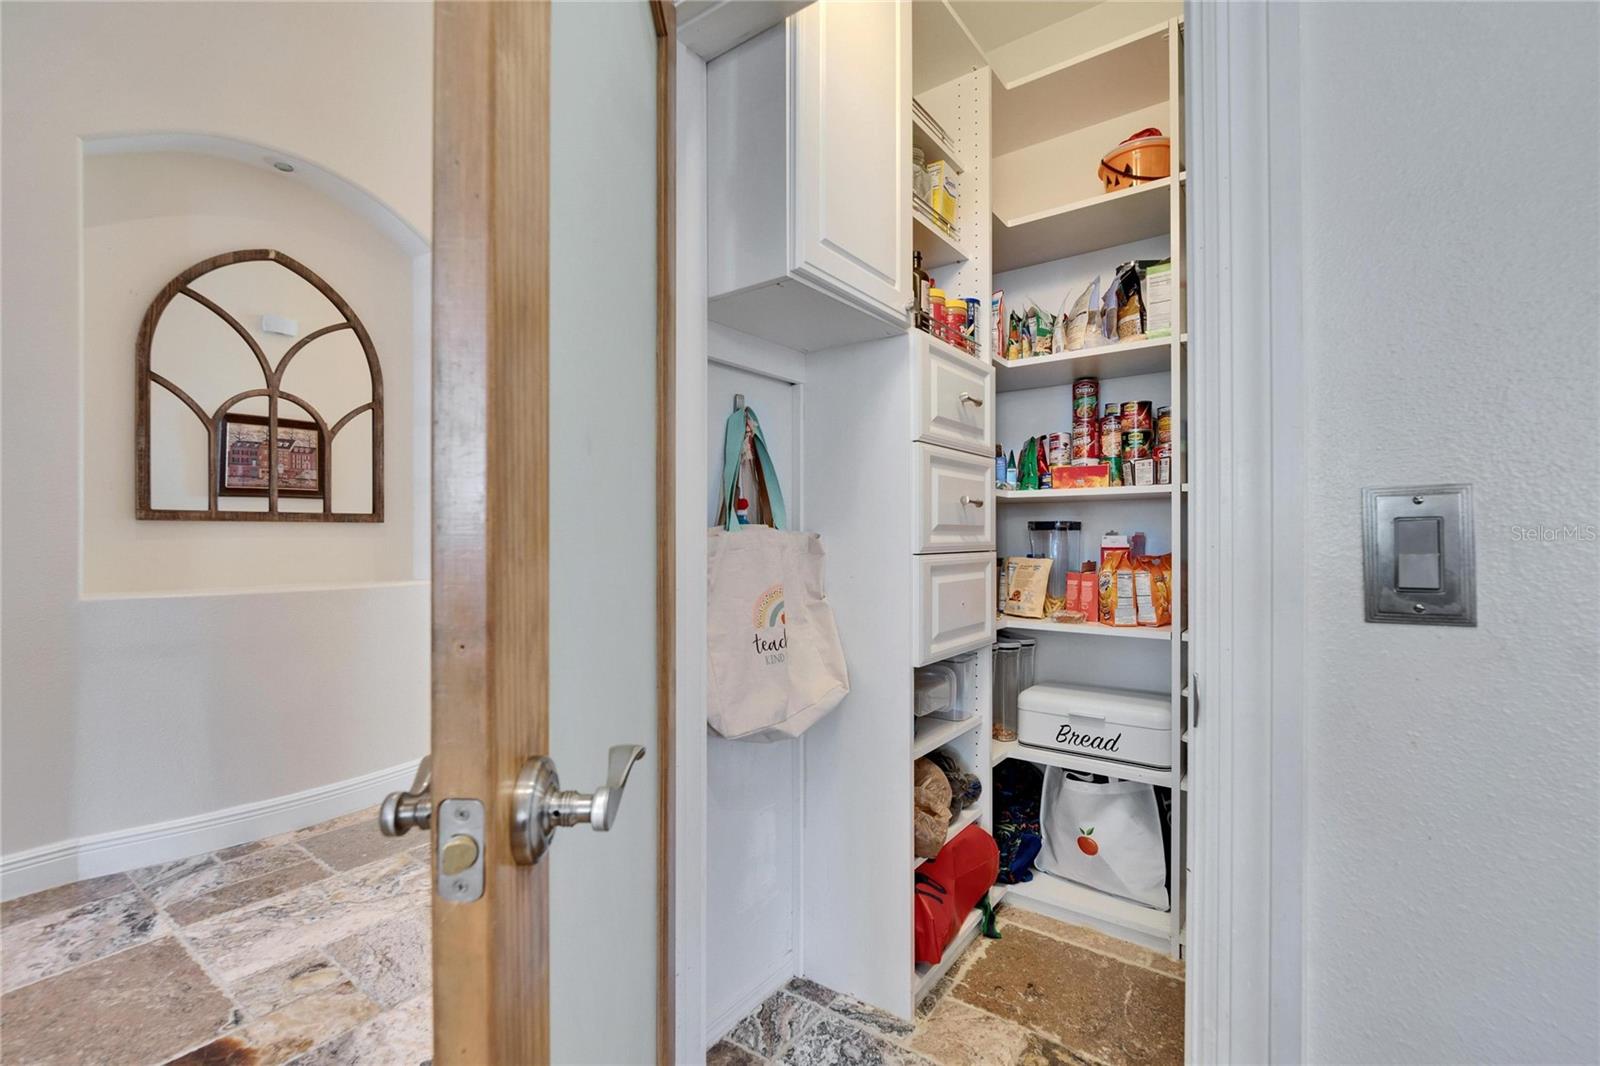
[(53, 943), (391, 962), (870, 1017), (771, 1026), (727, 1053), (832, 1041), (1092, 939), (292, 1030), (261, 993), (1088, 1002), (816, 993), (354, 845), (139, 1006), (1042, 1051), (242, 893), (399, 1037), (955, 1034), (167, 872), (63, 898), (184, 884)]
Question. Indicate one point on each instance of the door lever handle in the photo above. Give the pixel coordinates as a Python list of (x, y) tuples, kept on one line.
[(539, 806), (404, 811)]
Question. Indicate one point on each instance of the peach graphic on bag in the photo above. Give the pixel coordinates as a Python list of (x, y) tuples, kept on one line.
[(1086, 842)]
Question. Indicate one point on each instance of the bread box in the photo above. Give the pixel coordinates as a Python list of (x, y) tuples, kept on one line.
[(1101, 723)]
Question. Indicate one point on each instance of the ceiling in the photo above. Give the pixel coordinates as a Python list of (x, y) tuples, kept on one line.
[(993, 23)]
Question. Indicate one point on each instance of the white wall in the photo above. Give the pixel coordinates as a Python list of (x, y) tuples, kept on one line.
[(123, 712), (148, 216), (1450, 287)]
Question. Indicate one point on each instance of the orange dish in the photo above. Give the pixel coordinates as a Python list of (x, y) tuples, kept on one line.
[(1145, 156)]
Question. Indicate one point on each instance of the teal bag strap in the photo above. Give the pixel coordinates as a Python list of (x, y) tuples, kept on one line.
[(732, 446)]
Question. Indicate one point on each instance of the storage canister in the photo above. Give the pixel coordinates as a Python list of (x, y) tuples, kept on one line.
[(1007, 655), (1101, 723)]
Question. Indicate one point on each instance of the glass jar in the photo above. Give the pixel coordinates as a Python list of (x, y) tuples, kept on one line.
[(1007, 668)]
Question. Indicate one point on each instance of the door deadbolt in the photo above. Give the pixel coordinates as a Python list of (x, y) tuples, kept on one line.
[(539, 806)]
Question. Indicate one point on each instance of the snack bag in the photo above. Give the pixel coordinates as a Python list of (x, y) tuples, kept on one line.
[(1089, 593), (1025, 590), (1117, 603), (1152, 590)]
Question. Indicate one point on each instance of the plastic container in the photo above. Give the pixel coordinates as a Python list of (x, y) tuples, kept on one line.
[(1145, 156), (955, 321), (1101, 723), (937, 688), (1007, 670), (1062, 544)]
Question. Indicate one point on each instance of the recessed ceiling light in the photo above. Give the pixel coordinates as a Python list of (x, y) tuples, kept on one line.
[(279, 164)]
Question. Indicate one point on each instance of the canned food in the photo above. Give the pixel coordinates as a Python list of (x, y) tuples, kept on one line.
[(1136, 415), (1114, 472), (1085, 399), (1163, 464), (1085, 444), (1059, 451), (1111, 435), (1135, 444), (1164, 425)]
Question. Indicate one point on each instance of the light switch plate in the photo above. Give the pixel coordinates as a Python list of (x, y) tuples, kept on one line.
[(1402, 529)]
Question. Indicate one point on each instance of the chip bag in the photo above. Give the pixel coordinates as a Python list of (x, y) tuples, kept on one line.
[(1152, 590), (1117, 602)]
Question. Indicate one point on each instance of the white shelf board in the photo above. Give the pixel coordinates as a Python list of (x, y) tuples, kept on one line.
[(924, 977), (932, 734), (1120, 492), (933, 146), (1084, 90), (1000, 751), (1091, 629), (1062, 898), (1103, 221), (957, 824), (938, 248), (1127, 359)]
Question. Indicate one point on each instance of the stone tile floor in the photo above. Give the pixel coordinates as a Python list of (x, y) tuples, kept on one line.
[(310, 947), (1045, 994)]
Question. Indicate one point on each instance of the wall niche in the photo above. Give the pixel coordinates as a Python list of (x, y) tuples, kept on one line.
[(268, 391)]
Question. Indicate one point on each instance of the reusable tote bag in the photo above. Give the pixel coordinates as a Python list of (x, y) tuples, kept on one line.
[(776, 665), (1106, 836)]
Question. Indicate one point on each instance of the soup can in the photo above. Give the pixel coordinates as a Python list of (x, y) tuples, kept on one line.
[(1164, 425), (1114, 471), (1163, 464), (1085, 399), (1135, 444), (1085, 443), (1111, 435), (1136, 415), (1060, 449)]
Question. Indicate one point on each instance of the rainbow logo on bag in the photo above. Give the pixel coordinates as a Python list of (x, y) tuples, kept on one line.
[(769, 616)]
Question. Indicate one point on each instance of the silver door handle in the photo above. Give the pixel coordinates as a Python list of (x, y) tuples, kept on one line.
[(968, 501), (404, 811), (539, 806), (967, 397)]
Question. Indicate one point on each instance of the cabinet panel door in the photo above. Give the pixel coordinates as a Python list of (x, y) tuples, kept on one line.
[(850, 151), (953, 500), (955, 605), (953, 398)]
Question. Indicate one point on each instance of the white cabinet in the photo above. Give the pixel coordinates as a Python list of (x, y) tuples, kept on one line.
[(808, 161), (952, 400), (954, 598), (952, 498)]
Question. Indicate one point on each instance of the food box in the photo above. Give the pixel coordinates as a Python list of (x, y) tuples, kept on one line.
[(1116, 725)]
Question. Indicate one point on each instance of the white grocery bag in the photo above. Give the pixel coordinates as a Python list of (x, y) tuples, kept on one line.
[(775, 663), (1105, 836)]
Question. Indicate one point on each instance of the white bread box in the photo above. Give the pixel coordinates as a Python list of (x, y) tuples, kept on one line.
[(1101, 723)]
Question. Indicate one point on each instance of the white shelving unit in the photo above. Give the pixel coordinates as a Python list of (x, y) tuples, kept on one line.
[(1102, 221), (931, 734), (1083, 629), (1124, 360), (1117, 492), (1011, 749)]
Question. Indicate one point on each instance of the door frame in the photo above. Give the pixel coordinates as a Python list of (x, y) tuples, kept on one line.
[(1244, 949), (490, 535)]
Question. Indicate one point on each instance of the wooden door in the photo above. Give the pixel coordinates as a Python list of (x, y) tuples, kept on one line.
[(850, 147), (552, 587)]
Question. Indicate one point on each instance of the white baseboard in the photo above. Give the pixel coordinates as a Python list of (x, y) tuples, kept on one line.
[(724, 1021), (61, 863)]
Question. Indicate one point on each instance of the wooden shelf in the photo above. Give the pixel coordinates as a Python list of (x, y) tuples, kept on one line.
[(938, 248), (933, 146), (1089, 629), (1121, 492), (1068, 900), (1124, 360), (1103, 221), (1000, 751), (965, 818), (932, 734)]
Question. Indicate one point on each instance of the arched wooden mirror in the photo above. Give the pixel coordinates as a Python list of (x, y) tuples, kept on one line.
[(253, 355)]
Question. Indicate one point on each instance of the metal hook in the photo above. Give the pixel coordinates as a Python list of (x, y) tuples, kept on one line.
[(738, 400)]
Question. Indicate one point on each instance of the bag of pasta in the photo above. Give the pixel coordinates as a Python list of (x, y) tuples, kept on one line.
[(1152, 590)]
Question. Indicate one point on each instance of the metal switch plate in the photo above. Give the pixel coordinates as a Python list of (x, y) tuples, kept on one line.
[(457, 819), (1419, 555)]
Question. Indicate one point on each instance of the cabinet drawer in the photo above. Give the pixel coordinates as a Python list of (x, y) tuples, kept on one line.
[(953, 500), (953, 402), (955, 605)]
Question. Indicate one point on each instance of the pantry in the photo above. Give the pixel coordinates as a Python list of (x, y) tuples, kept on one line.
[(948, 274)]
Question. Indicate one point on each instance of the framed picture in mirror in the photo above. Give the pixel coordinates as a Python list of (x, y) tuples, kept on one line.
[(243, 465)]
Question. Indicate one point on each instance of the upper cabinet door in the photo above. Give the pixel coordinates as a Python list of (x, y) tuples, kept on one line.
[(850, 147)]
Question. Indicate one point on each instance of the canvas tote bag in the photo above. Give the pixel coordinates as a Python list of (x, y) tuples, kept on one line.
[(1106, 836), (775, 662)]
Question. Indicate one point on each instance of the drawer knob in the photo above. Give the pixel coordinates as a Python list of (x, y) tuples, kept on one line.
[(968, 501), (967, 397)]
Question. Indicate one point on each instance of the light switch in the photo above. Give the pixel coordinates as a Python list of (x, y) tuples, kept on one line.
[(1416, 554)]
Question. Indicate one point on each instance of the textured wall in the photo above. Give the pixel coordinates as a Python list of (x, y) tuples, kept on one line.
[(1450, 288)]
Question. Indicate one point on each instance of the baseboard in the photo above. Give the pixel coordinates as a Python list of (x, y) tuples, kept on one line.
[(721, 1025), (128, 849)]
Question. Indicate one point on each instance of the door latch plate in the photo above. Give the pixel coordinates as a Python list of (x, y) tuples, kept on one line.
[(459, 826)]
